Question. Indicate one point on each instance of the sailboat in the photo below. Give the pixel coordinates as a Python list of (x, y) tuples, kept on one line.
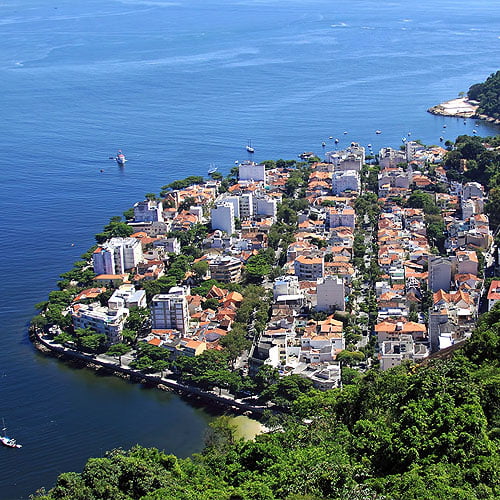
[(249, 147), (7, 441)]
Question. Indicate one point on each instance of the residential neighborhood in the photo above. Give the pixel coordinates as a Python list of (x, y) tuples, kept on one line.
[(319, 269)]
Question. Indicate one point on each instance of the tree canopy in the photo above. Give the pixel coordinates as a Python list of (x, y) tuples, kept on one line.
[(488, 95)]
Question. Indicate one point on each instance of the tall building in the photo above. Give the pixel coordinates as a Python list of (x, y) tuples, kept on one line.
[(439, 273), (347, 180), (226, 269), (246, 205), (309, 268), (330, 292), (117, 256), (223, 218), (250, 171), (148, 211), (169, 311)]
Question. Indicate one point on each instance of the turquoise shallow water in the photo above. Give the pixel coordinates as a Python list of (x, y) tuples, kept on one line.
[(180, 85)]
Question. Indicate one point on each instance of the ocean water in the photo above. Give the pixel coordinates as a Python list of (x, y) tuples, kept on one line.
[(180, 85)]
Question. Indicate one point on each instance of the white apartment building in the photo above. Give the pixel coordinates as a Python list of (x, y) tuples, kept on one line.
[(235, 201), (250, 171), (345, 181), (148, 211), (117, 256), (129, 295), (265, 206), (411, 148), (170, 245), (169, 311), (330, 292), (223, 218), (286, 285), (394, 352), (106, 320), (388, 157)]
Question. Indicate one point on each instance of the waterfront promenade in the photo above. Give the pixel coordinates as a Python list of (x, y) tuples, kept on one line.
[(162, 381)]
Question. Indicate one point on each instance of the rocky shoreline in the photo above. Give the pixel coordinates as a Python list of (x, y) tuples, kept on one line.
[(461, 108), (237, 406)]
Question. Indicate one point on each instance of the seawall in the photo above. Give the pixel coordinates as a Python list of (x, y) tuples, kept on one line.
[(165, 384)]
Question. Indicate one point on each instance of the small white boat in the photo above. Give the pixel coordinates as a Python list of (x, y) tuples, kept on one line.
[(444, 126), (369, 145), (345, 132), (331, 137), (7, 441), (336, 141), (249, 147), (323, 144), (378, 131), (441, 138), (474, 131), (119, 158)]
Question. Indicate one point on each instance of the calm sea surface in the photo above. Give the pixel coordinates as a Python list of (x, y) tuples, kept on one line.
[(180, 85)]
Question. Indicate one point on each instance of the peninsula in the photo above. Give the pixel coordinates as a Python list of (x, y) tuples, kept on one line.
[(337, 297)]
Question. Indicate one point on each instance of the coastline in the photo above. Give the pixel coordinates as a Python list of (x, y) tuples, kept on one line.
[(99, 364), (461, 108)]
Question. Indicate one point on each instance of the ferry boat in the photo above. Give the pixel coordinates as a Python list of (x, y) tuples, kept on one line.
[(7, 441), (120, 158)]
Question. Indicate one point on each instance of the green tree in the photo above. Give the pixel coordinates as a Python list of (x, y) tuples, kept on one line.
[(92, 343), (118, 350)]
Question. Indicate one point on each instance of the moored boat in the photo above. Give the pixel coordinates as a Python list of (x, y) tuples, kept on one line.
[(7, 441), (120, 158)]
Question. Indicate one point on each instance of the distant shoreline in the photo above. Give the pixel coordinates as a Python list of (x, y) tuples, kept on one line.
[(461, 108)]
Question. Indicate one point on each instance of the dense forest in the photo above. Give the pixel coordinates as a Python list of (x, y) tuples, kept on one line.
[(413, 432), (488, 95)]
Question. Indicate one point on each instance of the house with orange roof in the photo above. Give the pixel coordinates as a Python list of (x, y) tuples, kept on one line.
[(192, 348), (493, 294), (388, 330), (89, 294), (309, 267)]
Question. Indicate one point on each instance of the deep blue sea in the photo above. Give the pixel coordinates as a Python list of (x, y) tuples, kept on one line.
[(180, 85)]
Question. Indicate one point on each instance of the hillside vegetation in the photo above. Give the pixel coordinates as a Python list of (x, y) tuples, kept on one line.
[(412, 432), (488, 95)]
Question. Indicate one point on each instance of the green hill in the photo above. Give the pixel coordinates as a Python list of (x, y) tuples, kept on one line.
[(488, 95), (429, 432)]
